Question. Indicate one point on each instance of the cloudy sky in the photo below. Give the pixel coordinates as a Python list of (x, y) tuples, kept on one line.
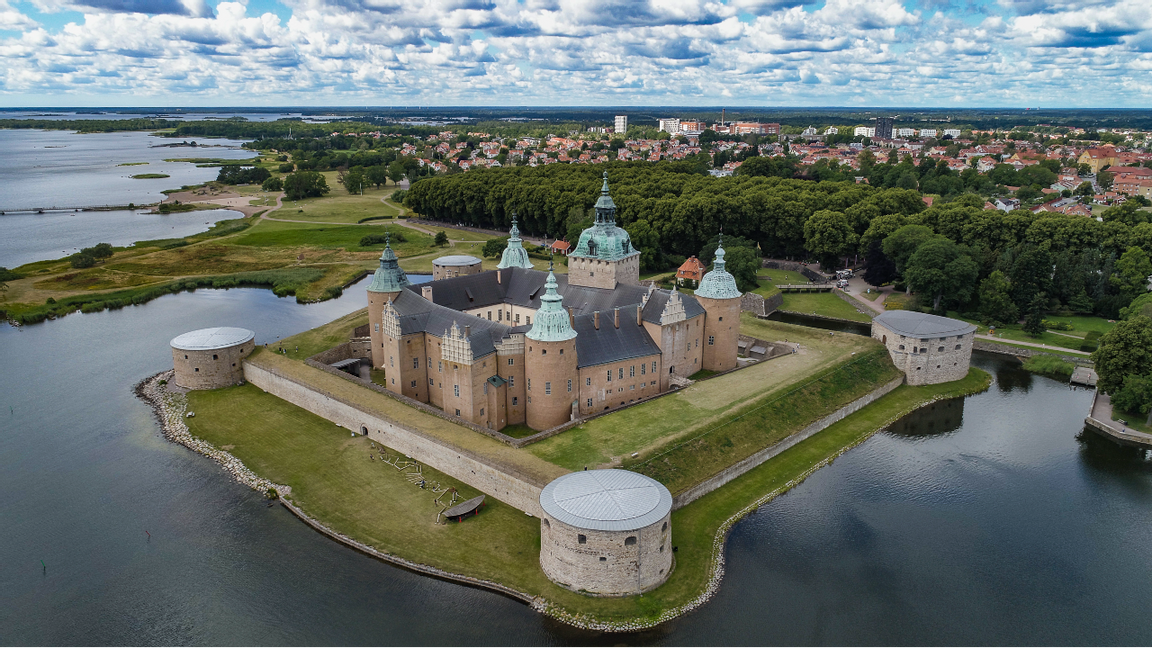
[(1054, 53)]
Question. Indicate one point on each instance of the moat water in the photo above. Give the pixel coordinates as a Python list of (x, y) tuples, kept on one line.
[(987, 520)]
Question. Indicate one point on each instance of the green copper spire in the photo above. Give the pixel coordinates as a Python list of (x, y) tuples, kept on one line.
[(550, 323), (604, 240), (719, 283), (514, 256), (389, 277)]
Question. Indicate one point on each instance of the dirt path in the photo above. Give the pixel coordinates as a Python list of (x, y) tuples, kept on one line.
[(1036, 345)]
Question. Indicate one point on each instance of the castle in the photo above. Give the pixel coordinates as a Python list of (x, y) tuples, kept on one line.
[(518, 346)]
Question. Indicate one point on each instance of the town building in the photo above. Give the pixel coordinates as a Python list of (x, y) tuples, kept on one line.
[(883, 126), (669, 125), (519, 346), (621, 124), (606, 532), (690, 272), (929, 349)]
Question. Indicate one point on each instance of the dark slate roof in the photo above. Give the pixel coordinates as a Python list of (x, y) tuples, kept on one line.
[(524, 287), (610, 344), (922, 325), (659, 298), (418, 314)]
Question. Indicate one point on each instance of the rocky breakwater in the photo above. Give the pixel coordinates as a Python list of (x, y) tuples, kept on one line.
[(170, 405)]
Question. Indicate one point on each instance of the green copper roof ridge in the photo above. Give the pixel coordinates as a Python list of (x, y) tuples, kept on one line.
[(389, 277), (514, 255), (718, 283), (551, 322)]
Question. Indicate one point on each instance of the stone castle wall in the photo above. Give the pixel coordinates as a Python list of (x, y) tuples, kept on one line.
[(501, 482), (606, 563), (448, 271)]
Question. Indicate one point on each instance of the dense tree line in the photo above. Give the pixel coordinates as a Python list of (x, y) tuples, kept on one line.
[(955, 254), (235, 174)]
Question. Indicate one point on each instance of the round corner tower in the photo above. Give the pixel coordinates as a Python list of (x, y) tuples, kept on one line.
[(387, 284), (550, 362), (211, 358), (720, 298), (606, 532)]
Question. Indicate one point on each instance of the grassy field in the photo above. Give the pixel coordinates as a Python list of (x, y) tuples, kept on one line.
[(324, 337), (779, 277), (766, 288), (319, 460), (825, 304), (650, 428), (339, 206)]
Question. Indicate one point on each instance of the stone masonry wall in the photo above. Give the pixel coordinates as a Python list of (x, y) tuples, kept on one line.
[(605, 564), (737, 469), (211, 369), (516, 490), (927, 361)]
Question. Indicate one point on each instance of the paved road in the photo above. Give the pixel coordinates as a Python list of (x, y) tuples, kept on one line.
[(1037, 345)]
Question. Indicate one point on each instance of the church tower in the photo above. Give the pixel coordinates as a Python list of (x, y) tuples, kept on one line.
[(550, 362), (386, 286), (515, 256), (720, 298), (604, 256)]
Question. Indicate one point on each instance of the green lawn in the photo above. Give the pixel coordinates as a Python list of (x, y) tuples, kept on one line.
[(766, 288), (779, 277), (825, 304), (280, 234), (324, 337), (650, 427)]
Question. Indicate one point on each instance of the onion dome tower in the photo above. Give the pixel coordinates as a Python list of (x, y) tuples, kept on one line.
[(550, 361), (387, 284), (720, 298), (515, 256), (604, 255)]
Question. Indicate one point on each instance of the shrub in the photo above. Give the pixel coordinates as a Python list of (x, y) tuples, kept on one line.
[(378, 239), (8, 275), (286, 168), (272, 184), (1056, 326), (82, 260), (441, 239)]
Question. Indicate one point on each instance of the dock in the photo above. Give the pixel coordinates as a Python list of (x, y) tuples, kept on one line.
[(1100, 419), (1084, 376)]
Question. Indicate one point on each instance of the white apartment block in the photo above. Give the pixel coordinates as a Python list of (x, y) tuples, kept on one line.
[(866, 131), (621, 124), (952, 132), (669, 125), (904, 132), (927, 132)]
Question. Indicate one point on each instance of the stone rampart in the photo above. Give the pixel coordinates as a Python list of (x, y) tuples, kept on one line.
[(759, 305), (739, 468), (501, 482), (855, 303)]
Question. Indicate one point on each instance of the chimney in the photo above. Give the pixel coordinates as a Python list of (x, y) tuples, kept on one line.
[(616, 316), (639, 320), (426, 291), (571, 317), (596, 320), (467, 331), (498, 276)]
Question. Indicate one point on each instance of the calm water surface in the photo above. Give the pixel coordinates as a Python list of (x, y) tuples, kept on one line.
[(41, 169), (980, 521)]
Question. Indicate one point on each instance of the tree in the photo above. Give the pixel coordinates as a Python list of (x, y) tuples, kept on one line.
[(784, 167), (1123, 351), (354, 180), (1142, 305), (742, 263), (995, 299), (377, 175), (901, 244), (396, 171), (1132, 272), (441, 239), (829, 235), (1135, 395), (1034, 320), (942, 269), (878, 268), (273, 184), (305, 184), (495, 247), (81, 260), (1104, 179)]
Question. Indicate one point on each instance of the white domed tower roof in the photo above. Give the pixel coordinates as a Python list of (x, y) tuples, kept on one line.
[(514, 256), (719, 283), (606, 500), (208, 339)]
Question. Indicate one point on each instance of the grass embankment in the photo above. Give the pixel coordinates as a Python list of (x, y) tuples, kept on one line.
[(651, 428), (320, 461), (824, 304), (782, 277), (1050, 365)]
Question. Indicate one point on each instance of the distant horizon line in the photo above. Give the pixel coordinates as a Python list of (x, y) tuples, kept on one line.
[(548, 108)]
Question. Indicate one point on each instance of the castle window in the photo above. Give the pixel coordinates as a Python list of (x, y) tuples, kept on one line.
[(527, 319), (581, 538), (940, 349), (439, 366), (515, 401), (957, 347), (621, 373), (653, 383), (511, 381), (653, 366), (185, 356), (632, 371), (511, 361), (390, 362), (529, 384), (485, 393), (569, 385), (197, 369), (663, 528), (588, 382), (924, 350), (561, 351), (589, 402), (721, 319), (457, 411), (632, 388), (643, 369), (603, 559), (548, 388), (215, 357), (697, 343), (489, 316), (431, 382), (543, 351), (499, 316), (517, 318), (481, 411), (629, 541), (377, 328), (456, 390), (901, 347), (609, 375), (415, 363), (413, 384)]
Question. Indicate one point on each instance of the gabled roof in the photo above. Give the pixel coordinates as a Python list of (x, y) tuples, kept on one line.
[(418, 315), (611, 344)]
